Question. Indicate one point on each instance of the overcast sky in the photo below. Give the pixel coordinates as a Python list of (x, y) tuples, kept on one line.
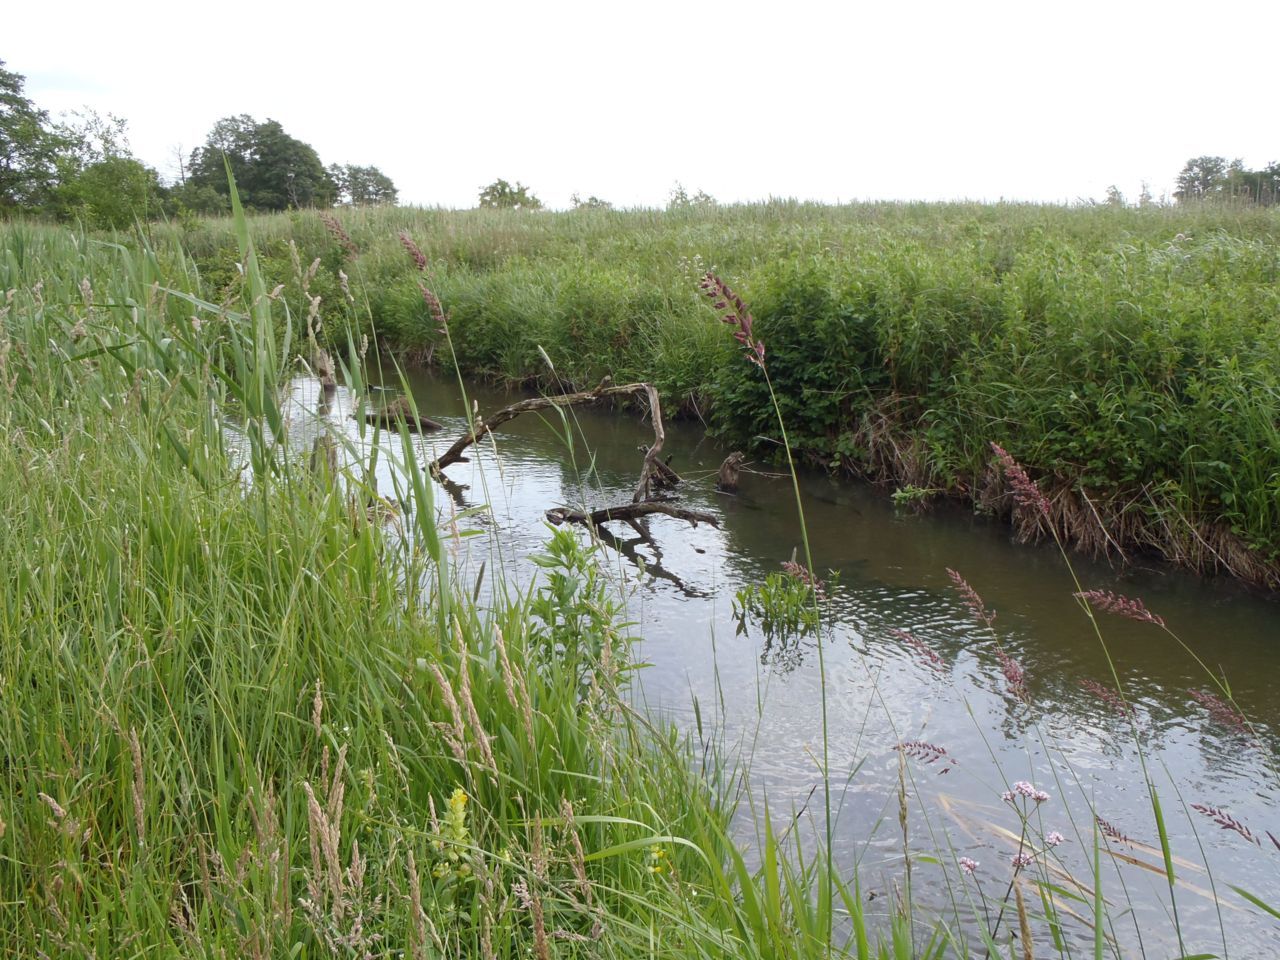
[(836, 101)]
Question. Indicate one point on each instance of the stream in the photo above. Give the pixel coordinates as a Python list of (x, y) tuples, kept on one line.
[(759, 696)]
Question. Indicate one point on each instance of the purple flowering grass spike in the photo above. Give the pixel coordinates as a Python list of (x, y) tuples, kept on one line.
[(1132, 608), (1111, 831), (1025, 491), (419, 258), (1107, 696), (1226, 821), (723, 298), (926, 653), (927, 752), (1220, 711), (435, 309), (970, 598), (1014, 674), (338, 233)]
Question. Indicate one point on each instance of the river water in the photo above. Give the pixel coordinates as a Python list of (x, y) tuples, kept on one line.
[(760, 697)]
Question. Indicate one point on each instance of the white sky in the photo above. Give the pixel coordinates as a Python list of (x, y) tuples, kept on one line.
[(868, 100)]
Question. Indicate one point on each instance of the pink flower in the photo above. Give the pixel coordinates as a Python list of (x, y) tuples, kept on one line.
[(1021, 860), (1054, 838), (968, 865)]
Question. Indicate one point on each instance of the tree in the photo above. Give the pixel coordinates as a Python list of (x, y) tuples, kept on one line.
[(273, 171), (362, 186), (502, 195), (1114, 197), (591, 203), (1202, 178), (112, 193), (679, 198), (29, 147)]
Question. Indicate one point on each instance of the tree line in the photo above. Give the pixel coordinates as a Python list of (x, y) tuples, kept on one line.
[(1214, 178), (81, 167)]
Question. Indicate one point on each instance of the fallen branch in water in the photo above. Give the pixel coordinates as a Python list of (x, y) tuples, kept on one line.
[(654, 474), (399, 411), (629, 512)]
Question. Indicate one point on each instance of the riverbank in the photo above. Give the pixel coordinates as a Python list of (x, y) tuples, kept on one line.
[(1128, 358), (241, 733)]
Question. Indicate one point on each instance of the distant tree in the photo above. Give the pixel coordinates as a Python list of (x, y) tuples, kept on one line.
[(502, 195), (29, 147), (112, 193), (680, 199), (273, 171), (1114, 197), (1254, 186), (591, 203), (1144, 198), (1202, 178), (362, 186)]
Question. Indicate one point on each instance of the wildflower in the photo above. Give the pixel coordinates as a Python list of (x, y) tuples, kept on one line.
[(1025, 491), (969, 865), (1021, 860), (1109, 602), (658, 861), (1024, 789), (1053, 838)]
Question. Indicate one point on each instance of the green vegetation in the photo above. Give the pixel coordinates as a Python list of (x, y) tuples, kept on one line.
[(228, 726), (245, 712), (501, 195), (1128, 357)]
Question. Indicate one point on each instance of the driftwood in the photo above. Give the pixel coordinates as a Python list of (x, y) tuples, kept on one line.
[(400, 411), (630, 512), (654, 474), (727, 479)]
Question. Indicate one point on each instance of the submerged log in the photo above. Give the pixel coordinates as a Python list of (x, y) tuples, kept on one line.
[(629, 512), (727, 479), (399, 411)]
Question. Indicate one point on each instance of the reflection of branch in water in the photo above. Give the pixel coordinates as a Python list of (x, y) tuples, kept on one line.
[(456, 491), (654, 568)]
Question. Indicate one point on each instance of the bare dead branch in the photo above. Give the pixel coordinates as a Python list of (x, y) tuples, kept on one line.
[(629, 512)]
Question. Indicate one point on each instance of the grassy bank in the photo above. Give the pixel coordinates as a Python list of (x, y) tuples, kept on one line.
[(1128, 357), (241, 714)]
